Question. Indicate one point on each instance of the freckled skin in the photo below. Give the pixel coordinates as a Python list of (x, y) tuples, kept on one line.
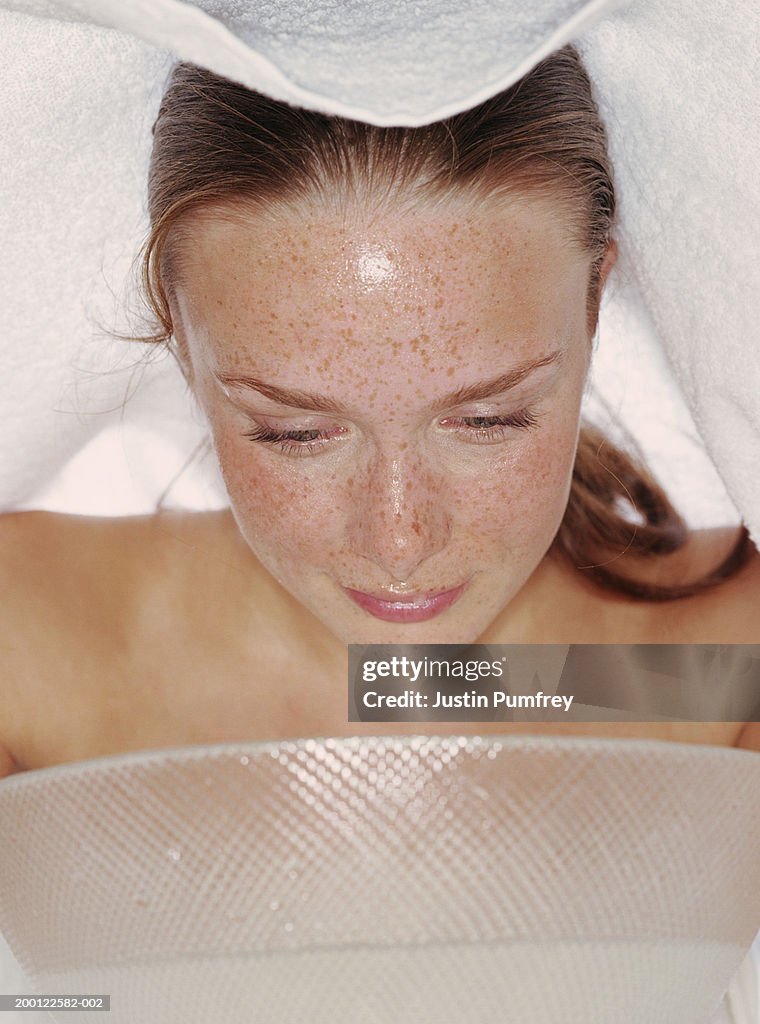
[(386, 316)]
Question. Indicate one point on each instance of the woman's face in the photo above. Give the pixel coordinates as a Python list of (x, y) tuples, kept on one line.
[(394, 401)]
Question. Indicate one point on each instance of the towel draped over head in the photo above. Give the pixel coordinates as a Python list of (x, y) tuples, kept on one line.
[(677, 86)]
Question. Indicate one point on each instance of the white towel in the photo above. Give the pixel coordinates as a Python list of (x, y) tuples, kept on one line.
[(677, 88)]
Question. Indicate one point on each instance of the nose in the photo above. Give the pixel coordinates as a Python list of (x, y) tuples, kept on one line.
[(400, 517)]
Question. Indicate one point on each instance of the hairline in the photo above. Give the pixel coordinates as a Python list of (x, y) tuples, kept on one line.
[(284, 212)]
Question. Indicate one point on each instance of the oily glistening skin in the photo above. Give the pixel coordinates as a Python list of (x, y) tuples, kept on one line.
[(395, 403)]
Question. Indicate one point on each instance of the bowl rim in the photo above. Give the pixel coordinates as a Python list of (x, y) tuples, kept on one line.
[(260, 749)]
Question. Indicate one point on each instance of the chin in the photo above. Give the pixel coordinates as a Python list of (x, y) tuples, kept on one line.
[(416, 637), (443, 629)]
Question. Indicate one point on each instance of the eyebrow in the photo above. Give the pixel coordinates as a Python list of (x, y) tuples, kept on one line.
[(321, 403)]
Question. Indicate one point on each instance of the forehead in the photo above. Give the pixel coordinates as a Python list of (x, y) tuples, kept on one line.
[(427, 281)]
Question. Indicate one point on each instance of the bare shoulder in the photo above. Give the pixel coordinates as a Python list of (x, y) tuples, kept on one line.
[(728, 612), (36, 556), (79, 595), (749, 738), (70, 573), (29, 579)]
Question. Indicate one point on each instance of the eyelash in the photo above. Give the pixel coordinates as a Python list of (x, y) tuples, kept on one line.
[(289, 441), (496, 425), (484, 428)]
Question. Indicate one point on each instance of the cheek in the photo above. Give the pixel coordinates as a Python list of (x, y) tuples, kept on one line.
[(278, 509), (518, 503), (293, 512)]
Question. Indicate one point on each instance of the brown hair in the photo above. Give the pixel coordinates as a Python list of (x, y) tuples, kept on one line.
[(218, 145)]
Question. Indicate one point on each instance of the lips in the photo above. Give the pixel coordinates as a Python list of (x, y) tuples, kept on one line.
[(411, 608)]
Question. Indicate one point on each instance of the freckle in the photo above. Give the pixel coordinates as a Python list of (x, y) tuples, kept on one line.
[(450, 371)]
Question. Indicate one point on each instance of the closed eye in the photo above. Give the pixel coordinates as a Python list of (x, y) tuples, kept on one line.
[(294, 442), (491, 428), (309, 441)]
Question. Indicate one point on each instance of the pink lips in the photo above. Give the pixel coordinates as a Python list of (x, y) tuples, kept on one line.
[(415, 608)]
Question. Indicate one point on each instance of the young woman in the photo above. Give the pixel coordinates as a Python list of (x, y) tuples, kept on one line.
[(389, 331)]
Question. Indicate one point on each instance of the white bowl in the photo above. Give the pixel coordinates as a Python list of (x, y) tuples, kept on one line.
[(387, 879)]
